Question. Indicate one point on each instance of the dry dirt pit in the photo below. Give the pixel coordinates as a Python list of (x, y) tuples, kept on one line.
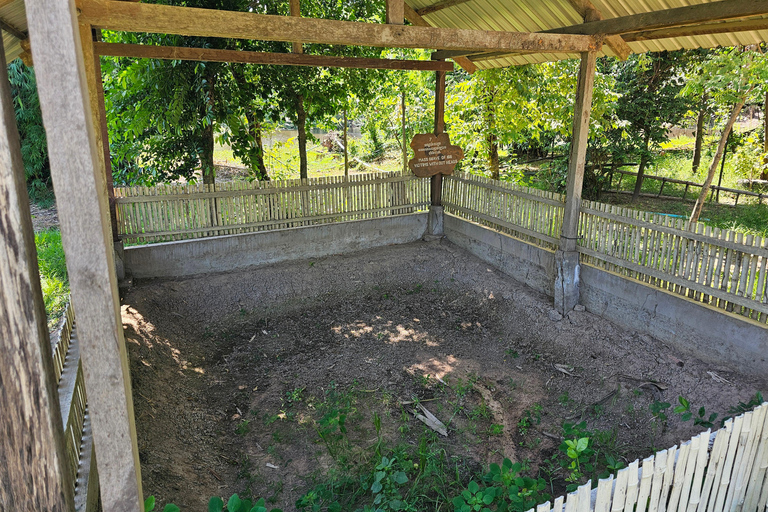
[(270, 381)]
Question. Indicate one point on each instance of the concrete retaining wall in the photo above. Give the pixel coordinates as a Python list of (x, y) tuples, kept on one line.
[(688, 326), (224, 253), (524, 262)]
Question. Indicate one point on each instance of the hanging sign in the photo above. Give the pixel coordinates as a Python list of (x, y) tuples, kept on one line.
[(433, 154)]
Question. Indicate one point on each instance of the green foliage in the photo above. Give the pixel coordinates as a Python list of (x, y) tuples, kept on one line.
[(503, 489), (53, 273), (701, 419), (216, 504), (386, 486), (658, 410), (29, 119)]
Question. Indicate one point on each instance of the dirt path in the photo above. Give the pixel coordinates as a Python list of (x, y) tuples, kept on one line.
[(234, 375)]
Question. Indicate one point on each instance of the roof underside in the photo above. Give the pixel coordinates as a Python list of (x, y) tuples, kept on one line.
[(13, 14), (541, 15)]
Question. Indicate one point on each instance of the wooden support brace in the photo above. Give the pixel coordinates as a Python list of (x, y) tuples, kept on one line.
[(395, 11), (418, 21), (437, 179), (79, 183), (33, 473), (296, 11), (589, 13)]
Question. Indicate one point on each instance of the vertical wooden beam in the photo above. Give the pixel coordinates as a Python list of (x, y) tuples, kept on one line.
[(79, 183), (296, 11), (33, 473), (96, 95), (437, 179), (567, 257), (577, 159), (395, 13)]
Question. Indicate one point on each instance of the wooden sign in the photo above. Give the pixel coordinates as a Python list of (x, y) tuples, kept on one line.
[(433, 154)]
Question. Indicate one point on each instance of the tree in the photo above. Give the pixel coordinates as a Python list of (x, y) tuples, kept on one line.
[(650, 102), (730, 75), (34, 149)]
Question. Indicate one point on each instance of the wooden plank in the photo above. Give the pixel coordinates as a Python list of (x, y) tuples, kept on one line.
[(32, 446), (688, 15), (603, 497), (632, 485), (395, 12), (188, 21), (418, 21), (84, 219), (645, 484), (715, 467), (577, 159), (728, 27)]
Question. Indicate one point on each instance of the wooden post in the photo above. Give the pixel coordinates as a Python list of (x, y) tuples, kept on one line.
[(567, 257), (96, 95), (437, 179), (80, 186), (402, 130), (296, 11), (395, 12), (33, 473), (346, 151)]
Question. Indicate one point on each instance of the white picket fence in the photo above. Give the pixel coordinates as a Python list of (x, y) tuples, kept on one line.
[(722, 472)]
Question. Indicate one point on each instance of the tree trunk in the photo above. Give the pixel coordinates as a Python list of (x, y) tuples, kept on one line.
[(641, 170), (493, 155), (699, 134), (718, 154), (493, 142), (206, 156), (764, 174), (257, 150), (301, 122)]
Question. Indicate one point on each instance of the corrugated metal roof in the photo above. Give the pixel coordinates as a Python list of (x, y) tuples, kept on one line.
[(540, 15), (13, 14)]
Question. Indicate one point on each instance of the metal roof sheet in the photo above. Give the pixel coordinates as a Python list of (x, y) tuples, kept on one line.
[(539, 15), (13, 14)]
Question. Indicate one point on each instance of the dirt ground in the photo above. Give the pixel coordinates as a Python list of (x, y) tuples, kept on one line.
[(233, 372)]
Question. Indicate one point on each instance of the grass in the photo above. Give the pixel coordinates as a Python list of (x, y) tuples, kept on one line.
[(53, 273)]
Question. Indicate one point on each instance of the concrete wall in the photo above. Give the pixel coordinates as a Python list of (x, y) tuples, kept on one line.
[(684, 324), (524, 262), (689, 326), (224, 253)]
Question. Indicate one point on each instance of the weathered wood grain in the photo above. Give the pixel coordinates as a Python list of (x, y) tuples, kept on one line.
[(80, 187), (33, 473), (166, 19)]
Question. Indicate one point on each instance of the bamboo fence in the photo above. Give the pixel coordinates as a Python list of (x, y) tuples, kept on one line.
[(531, 215), (722, 268), (178, 212), (78, 441), (722, 472)]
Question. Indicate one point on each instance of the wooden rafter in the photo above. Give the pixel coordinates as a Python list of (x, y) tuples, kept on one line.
[(589, 12), (15, 32), (668, 18), (166, 19), (700, 30), (281, 59), (418, 21), (395, 14), (439, 6)]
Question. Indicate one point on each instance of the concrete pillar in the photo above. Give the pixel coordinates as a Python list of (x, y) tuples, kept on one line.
[(435, 223), (567, 256)]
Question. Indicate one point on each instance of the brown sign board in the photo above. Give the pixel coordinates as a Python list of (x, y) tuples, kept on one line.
[(433, 154)]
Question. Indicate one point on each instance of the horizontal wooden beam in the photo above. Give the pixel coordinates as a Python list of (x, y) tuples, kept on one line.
[(143, 51), (725, 27), (439, 6), (418, 21), (680, 16), (187, 21)]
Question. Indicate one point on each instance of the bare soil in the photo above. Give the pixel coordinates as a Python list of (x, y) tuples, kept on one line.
[(233, 372)]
